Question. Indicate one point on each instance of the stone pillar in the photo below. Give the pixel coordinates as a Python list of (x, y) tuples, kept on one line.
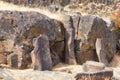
[(41, 57), (69, 40)]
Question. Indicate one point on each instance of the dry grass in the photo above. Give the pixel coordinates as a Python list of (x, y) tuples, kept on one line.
[(12, 7)]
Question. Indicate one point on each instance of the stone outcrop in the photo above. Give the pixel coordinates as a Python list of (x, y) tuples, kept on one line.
[(90, 66), (69, 40), (19, 28), (12, 60), (72, 39), (90, 28), (100, 75)]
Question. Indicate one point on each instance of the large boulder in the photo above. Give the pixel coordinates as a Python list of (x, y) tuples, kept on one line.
[(12, 60), (19, 29), (90, 28)]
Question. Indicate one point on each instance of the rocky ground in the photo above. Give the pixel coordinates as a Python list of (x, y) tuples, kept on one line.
[(74, 37), (62, 73)]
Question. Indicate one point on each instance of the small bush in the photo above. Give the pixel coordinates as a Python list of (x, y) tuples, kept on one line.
[(115, 17)]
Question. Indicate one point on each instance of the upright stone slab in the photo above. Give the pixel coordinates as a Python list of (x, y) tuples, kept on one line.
[(69, 40), (41, 54), (90, 27), (12, 60), (105, 49)]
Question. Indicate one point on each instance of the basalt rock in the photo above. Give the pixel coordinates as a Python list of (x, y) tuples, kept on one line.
[(99, 75), (41, 57), (90, 28), (90, 66), (12, 60), (19, 29)]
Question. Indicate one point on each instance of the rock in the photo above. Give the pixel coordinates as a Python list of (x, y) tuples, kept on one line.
[(3, 58), (57, 52), (69, 40), (91, 28), (90, 66), (41, 53), (19, 29), (12, 60), (23, 56), (99, 75), (85, 56), (59, 30), (106, 47), (76, 20), (101, 51)]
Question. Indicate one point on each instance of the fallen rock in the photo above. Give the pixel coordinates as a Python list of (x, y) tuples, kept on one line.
[(90, 66), (99, 75), (69, 40)]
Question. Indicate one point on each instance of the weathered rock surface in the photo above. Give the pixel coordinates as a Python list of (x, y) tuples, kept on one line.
[(12, 60), (90, 28), (91, 66), (100, 75), (72, 39), (69, 40), (41, 57), (19, 28)]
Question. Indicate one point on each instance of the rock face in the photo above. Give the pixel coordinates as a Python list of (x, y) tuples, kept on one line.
[(38, 3), (12, 60), (102, 75), (41, 57), (90, 28), (69, 39), (72, 39), (95, 71), (19, 28)]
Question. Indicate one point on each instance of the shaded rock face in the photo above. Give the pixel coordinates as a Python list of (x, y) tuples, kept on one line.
[(41, 54), (19, 28), (71, 40)]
